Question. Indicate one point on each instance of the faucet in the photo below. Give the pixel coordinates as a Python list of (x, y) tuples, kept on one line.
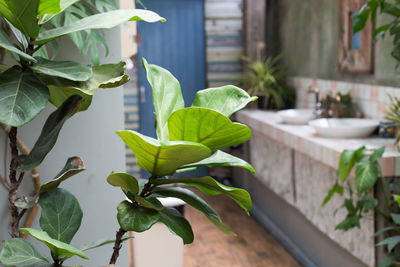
[(318, 105), (332, 102)]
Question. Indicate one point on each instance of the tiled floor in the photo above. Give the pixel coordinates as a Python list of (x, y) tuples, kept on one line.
[(253, 247)]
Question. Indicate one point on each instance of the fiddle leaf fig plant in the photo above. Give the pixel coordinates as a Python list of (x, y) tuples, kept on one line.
[(27, 86), (187, 138)]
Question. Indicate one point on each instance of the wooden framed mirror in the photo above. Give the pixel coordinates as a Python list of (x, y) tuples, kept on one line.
[(355, 50)]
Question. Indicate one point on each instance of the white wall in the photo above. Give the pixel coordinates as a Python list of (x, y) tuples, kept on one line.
[(90, 135)]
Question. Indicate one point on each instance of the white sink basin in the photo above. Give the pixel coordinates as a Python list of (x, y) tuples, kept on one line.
[(296, 116), (344, 128)]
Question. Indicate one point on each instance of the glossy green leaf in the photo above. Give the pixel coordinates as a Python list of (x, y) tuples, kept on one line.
[(391, 242), (389, 228), (207, 127), (135, 218), (185, 169), (367, 173), (335, 189), (102, 242), (167, 96), (196, 202), (395, 218), (190, 198), (58, 249), (347, 160), (61, 215), (104, 20), (124, 180), (74, 165), (7, 44), (21, 14), (104, 76), (64, 4), (226, 99), (19, 252), (64, 69), (22, 96), (396, 199), (389, 259), (49, 7), (377, 154), (3, 67), (149, 202), (211, 187), (51, 129), (162, 158), (221, 158), (177, 224), (349, 222), (368, 203)]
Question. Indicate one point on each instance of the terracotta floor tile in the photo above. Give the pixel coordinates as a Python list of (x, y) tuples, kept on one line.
[(253, 247)]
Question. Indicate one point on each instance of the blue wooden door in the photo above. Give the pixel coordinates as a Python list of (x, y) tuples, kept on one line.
[(177, 45)]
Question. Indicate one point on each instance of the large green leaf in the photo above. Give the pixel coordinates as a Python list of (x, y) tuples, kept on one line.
[(177, 224), (149, 202), (64, 69), (347, 160), (135, 218), (226, 99), (124, 180), (6, 43), (19, 252), (391, 242), (389, 259), (196, 202), (367, 172), (64, 4), (211, 187), (61, 215), (21, 14), (162, 158), (49, 7), (207, 127), (377, 154), (51, 129), (104, 76), (74, 165), (221, 158), (22, 96), (104, 20), (167, 96), (351, 221), (335, 189), (102, 242), (58, 249)]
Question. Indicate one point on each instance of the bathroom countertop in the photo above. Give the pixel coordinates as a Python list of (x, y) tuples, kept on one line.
[(303, 139)]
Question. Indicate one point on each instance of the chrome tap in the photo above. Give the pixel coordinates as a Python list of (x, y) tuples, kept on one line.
[(318, 105)]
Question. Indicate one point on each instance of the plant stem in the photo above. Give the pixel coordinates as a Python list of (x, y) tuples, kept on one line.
[(385, 188), (117, 245), (24, 150), (14, 183)]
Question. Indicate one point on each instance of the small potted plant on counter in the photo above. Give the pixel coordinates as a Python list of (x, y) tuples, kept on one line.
[(267, 79)]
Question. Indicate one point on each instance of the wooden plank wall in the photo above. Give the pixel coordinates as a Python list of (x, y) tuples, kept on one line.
[(255, 28), (224, 41)]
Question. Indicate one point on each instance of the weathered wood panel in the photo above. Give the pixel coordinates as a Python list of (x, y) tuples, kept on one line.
[(224, 41), (255, 28)]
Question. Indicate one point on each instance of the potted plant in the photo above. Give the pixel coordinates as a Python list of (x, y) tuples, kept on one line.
[(267, 79)]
